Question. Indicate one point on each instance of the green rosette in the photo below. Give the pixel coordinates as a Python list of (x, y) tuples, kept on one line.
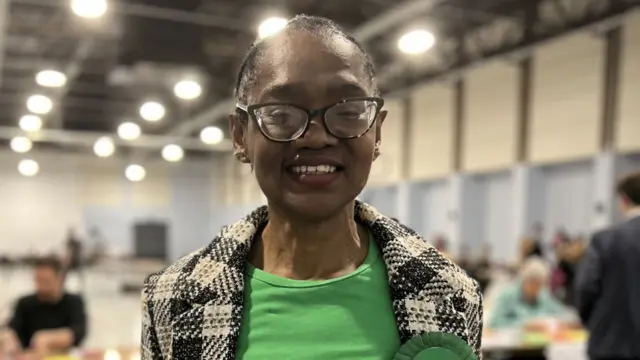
[(435, 346)]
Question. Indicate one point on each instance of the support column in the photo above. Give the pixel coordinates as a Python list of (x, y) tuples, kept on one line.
[(403, 202), (604, 207), (465, 225), (522, 214)]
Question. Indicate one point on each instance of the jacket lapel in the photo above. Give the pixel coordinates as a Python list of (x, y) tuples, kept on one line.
[(210, 299)]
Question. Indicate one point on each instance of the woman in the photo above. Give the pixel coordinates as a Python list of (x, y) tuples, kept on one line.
[(527, 303), (315, 274)]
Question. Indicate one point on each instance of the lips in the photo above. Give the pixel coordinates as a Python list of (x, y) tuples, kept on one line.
[(317, 172)]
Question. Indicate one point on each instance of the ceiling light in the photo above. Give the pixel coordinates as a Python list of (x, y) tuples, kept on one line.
[(187, 90), (172, 153), (39, 104), (30, 123), (28, 167), (416, 42), (129, 131), (152, 111), (104, 147), (135, 173), (271, 27), (211, 135), (21, 144), (51, 78), (89, 9)]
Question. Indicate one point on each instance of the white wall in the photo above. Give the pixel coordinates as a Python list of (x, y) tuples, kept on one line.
[(432, 131), (491, 117), (628, 129), (388, 168), (568, 80), (80, 192)]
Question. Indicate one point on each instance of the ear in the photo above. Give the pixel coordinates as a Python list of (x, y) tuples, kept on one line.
[(238, 133), (378, 125)]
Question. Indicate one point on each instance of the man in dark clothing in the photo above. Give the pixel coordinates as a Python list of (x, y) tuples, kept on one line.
[(48, 321), (608, 286)]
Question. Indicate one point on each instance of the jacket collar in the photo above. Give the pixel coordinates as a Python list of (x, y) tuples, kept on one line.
[(427, 290)]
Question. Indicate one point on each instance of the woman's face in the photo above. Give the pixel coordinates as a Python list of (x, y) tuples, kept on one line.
[(312, 72)]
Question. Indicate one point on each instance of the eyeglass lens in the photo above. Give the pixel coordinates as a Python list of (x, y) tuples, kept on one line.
[(343, 120)]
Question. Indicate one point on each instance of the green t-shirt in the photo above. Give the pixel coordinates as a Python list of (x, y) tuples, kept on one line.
[(350, 317)]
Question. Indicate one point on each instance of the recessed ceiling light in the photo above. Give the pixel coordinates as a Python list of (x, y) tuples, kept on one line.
[(172, 153), (21, 144), (416, 42), (211, 135), (129, 131), (135, 173), (271, 27), (104, 147), (89, 9), (28, 167), (51, 78), (30, 123), (187, 90), (152, 111), (39, 104)]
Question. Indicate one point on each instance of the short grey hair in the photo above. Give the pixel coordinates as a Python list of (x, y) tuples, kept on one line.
[(535, 268), (319, 26)]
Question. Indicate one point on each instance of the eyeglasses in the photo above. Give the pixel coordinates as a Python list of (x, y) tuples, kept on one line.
[(346, 119)]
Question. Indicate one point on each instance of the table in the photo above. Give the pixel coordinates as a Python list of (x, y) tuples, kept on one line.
[(561, 345)]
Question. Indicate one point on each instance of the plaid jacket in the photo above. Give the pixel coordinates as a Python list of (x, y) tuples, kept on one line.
[(193, 309)]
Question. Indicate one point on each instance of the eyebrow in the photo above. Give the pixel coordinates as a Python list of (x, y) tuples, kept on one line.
[(298, 90)]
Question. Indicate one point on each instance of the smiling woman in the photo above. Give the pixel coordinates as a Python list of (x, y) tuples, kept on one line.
[(315, 274)]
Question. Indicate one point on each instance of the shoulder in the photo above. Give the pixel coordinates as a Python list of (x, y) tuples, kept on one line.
[(426, 264), (74, 299), (159, 283), (27, 301)]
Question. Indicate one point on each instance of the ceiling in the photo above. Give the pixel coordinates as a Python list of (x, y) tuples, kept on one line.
[(141, 48)]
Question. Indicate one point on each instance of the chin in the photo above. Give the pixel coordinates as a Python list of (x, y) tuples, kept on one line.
[(316, 207)]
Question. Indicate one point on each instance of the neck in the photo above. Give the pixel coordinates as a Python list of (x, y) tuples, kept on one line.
[(303, 250), (632, 211)]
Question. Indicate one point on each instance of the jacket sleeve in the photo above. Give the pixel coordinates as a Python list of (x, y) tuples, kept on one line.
[(474, 322), (150, 346), (588, 282)]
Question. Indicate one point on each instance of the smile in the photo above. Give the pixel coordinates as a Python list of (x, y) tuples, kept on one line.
[(313, 170)]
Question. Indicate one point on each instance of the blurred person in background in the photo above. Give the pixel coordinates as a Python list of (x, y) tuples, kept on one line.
[(303, 275), (608, 282), (49, 321), (527, 303), (568, 255), (73, 259)]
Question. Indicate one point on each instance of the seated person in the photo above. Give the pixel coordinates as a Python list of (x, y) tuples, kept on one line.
[(49, 321), (528, 300)]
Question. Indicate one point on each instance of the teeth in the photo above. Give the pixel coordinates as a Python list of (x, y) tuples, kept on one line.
[(313, 170)]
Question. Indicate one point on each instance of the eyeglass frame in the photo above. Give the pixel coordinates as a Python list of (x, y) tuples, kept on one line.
[(251, 111)]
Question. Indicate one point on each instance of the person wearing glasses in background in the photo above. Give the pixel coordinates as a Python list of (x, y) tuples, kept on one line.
[(315, 274)]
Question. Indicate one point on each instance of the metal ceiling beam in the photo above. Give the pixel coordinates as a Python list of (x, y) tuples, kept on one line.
[(159, 13), (72, 71), (397, 15), (88, 139), (515, 51), (4, 19)]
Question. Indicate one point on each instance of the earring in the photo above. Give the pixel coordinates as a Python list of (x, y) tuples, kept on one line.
[(241, 156), (376, 151)]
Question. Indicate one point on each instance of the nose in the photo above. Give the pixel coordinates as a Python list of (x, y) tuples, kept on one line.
[(316, 136)]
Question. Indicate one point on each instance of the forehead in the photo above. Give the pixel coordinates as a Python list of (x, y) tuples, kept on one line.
[(304, 67)]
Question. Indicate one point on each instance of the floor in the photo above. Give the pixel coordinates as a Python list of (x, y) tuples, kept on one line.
[(114, 317)]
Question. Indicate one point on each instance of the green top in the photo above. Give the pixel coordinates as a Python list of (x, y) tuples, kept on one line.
[(510, 310), (350, 317)]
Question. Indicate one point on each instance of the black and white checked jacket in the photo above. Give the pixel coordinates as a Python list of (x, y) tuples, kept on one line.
[(193, 309)]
